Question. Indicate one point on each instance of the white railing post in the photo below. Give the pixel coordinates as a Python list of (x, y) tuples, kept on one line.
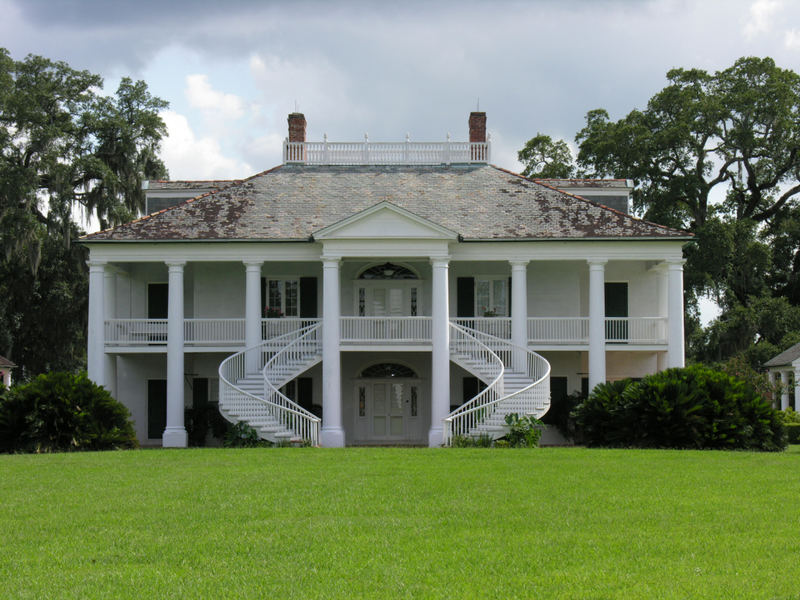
[(447, 150), (326, 155), (365, 156)]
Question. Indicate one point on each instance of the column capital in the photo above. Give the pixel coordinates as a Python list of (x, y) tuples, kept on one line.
[(96, 265), (518, 263), (440, 261), (331, 261), (253, 264), (175, 264), (597, 263), (675, 264)]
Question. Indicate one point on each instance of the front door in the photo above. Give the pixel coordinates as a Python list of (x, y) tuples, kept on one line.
[(387, 411)]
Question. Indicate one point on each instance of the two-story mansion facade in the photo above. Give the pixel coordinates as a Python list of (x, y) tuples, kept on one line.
[(378, 293)]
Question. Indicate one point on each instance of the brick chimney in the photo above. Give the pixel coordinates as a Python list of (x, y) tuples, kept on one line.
[(477, 127), (297, 127)]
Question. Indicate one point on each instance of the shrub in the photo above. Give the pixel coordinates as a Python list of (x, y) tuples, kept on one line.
[(524, 432), (694, 407), (792, 432), (62, 411), (241, 435)]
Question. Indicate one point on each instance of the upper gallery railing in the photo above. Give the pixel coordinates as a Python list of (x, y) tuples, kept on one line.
[(386, 153)]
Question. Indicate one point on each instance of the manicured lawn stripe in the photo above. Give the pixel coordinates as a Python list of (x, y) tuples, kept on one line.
[(368, 522)]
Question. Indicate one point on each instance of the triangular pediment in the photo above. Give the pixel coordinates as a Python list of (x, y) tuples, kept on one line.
[(385, 220)]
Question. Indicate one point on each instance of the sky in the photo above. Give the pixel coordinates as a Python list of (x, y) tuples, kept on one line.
[(232, 70)]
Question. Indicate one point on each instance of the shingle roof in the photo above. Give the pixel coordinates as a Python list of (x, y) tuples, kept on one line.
[(5, 363), (785, 358), (479, 202)]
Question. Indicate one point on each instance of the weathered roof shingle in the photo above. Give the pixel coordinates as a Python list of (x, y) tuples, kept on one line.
[(479, 202)]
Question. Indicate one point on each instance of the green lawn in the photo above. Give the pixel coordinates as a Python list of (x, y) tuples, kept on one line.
[(388, 523)]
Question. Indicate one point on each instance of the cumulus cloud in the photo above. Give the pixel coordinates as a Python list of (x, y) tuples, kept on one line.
[(191, 157), (761, 17), (792, 39), (205, 98)]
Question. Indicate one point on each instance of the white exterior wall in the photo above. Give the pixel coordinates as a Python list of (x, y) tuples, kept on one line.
[(620, 364), (218, 291), (555, 289)]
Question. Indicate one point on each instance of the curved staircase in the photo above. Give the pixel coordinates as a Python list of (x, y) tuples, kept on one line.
[(517, 381), (250, 383)]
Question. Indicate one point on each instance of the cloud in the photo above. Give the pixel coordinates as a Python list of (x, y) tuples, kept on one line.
[(205, 98), (760, 18), (791, 40), (190, 157)]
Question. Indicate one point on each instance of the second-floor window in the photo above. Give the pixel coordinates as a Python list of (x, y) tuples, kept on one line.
[(491, 296), (283, 295)]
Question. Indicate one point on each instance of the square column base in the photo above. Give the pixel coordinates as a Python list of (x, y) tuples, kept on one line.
[(435, 437), (332, 438), (175, 438)]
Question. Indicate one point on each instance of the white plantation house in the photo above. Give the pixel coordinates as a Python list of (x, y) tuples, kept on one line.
[(375, 293)]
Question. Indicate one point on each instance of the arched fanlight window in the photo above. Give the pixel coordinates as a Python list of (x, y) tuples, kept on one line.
[(387, 370), (388, 271)]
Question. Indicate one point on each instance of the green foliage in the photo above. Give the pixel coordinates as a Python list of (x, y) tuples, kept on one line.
[(64, 147), (545, 158), (733, 133), (792, 432), (524, 432), (60, 412), (483, 440), (241, 435), (789, 416), (695, 407)]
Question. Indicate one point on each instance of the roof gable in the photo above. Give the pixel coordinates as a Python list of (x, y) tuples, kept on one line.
[(385, 220)]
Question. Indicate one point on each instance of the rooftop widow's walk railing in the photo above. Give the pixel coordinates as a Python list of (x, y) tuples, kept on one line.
[(386, 153)]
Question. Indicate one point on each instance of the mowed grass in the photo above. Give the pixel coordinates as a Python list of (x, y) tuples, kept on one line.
[(395, 523)]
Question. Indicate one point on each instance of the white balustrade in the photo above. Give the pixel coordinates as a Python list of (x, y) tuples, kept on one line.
[(618, 330), (135, 332), (495, 326), (558, 330), (381, 330), (213, 332), (636, 330), (383, 153), (271, 328)]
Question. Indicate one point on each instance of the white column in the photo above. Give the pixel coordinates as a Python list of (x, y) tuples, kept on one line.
[(96, 328), (519, 310), (175, 433), (597, 322), (784, 390), (110, 308), (440, 355), (675, 351), (332, 433), (252, 312)]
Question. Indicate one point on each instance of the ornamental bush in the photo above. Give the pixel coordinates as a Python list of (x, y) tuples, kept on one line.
[(693, 407), (59, 412)]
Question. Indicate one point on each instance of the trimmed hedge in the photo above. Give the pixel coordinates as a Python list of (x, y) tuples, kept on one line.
[(693, 407), (58, 411)]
